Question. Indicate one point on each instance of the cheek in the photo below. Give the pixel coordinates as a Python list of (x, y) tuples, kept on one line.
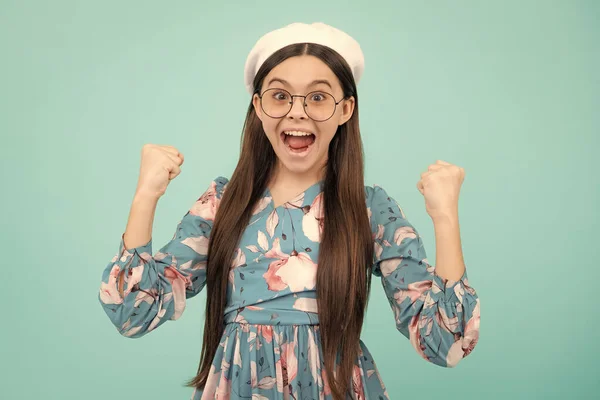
[(270, 129), (328, 132)]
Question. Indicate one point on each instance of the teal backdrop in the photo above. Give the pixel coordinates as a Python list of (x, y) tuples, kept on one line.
[(509, 90)]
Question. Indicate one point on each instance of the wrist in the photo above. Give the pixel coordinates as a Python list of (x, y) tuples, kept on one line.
[(141, 196), (445, 218)]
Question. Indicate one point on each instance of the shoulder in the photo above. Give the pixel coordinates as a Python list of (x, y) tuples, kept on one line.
[(219, 184), (381, 206), (377, 197), (374, 192), (206, 205), (215, 188)]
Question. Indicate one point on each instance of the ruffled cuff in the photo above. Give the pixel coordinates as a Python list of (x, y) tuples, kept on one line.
[(450, 291), (125, 254)]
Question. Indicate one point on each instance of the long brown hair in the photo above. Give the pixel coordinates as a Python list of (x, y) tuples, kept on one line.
[(345, 249)]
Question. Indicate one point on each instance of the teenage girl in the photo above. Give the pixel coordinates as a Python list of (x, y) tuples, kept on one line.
[(286, 247)]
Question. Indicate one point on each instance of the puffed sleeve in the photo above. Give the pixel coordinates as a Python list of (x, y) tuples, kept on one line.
[(440, 317), (155, 288)]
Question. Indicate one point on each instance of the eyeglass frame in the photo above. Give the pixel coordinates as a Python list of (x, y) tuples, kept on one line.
[(260, 96)]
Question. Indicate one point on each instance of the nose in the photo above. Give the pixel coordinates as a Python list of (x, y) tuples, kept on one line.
[(297, 110)]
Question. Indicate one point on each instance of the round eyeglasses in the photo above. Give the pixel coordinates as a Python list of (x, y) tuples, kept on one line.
[(318, 105)]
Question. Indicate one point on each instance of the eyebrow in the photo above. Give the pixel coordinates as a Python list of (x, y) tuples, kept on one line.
[(315, 82)]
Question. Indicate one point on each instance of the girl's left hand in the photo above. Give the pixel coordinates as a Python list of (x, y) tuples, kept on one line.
[(440, 185)]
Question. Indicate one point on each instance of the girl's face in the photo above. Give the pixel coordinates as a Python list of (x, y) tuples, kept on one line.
[(301, 143)]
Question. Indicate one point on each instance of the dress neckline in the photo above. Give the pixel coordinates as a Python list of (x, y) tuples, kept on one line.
[(307, 196)]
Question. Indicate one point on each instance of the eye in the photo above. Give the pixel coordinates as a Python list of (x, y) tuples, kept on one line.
[(281, 96), (317, 97)]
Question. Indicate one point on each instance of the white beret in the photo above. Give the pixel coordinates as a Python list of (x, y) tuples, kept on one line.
[(297, 32)]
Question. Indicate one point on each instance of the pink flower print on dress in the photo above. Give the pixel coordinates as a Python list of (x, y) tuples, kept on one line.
[(200, 245), (179, 283), (238, 260), (414, 291), (212, 381), (266, 332), (287, 365), (462, 348), (357, 384), (415, 336), (296, 271), (404, 232), (312, 222), (306, 304), (262, 204), (206, 206), (109, 293), (377, 238)]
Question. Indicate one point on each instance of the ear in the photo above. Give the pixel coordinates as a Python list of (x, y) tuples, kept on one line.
[(347, 110), (256, 104)]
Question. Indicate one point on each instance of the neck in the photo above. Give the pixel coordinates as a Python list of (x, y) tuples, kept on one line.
[(284, 178)]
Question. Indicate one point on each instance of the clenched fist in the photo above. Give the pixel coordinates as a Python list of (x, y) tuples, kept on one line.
[(160, 164), (440, 185)]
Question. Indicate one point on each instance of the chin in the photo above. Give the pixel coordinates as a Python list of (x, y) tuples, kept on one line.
[(296, 166)]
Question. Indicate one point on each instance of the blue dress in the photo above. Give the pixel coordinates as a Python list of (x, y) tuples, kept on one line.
[(271, 344)]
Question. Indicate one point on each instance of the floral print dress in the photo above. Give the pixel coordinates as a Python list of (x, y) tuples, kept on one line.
[(271, 344)]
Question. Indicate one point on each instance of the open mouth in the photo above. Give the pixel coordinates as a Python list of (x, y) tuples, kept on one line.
[(298, 142)]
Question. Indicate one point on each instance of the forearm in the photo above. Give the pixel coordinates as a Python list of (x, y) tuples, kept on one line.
[(449, 257), (141, 218)]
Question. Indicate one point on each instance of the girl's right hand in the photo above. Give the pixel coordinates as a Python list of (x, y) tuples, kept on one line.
[(160, 164)]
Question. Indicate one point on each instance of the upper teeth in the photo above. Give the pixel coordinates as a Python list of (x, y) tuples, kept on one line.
[(297, 133)]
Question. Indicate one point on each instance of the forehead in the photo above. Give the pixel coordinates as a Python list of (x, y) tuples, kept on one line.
[(301, 72)]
